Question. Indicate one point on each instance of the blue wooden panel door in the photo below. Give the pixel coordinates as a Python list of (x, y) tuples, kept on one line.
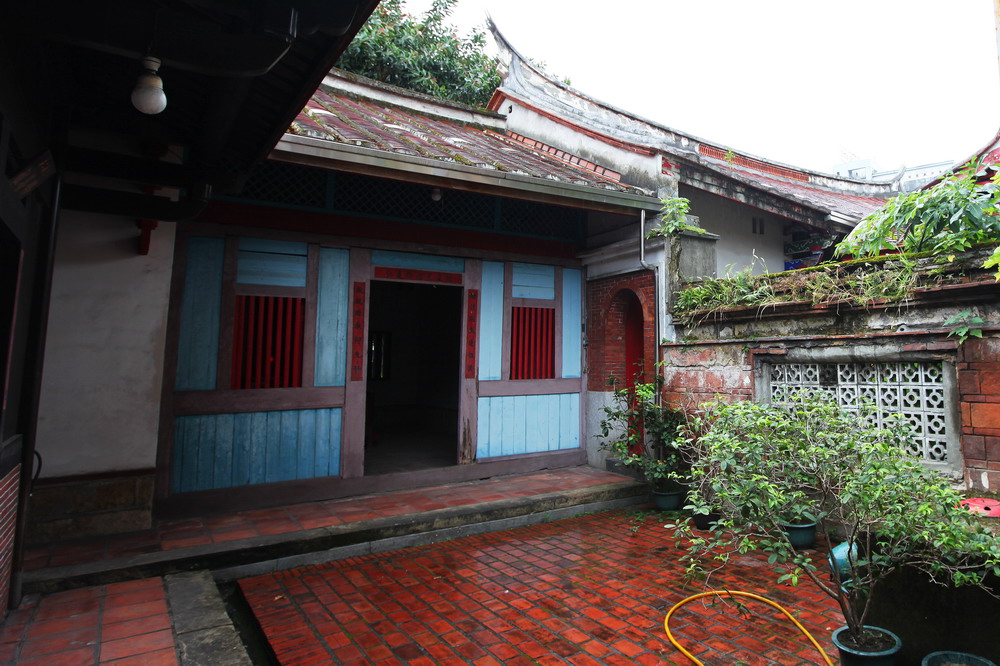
[(514, 425), (226, 450)]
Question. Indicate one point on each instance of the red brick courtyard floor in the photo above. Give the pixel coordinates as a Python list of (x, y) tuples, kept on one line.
[(127, 624), (586, 590)]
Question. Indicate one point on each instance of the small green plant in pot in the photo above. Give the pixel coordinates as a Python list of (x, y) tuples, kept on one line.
[(763, 464), (642, 433)]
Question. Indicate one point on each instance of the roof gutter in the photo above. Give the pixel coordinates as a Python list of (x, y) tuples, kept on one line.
[(325, 154)]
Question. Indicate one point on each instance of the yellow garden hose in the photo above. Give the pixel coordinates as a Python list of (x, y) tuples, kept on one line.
[(735, 593)]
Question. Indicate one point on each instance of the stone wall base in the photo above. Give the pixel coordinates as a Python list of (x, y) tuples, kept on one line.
[(77, 507)]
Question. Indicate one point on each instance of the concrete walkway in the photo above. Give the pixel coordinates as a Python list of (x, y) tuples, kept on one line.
[(496, 571)]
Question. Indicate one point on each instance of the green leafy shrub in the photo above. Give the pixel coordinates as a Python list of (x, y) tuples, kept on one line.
[(958, 212), (642, 434), (761, 465), (423, 54)]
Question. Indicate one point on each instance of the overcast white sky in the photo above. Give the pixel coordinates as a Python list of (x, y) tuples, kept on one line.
[(903, 82)]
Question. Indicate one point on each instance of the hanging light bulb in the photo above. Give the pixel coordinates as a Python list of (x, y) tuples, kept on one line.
[(148, 95)]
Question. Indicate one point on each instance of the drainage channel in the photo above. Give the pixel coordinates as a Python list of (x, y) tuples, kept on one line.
[(244, 621)]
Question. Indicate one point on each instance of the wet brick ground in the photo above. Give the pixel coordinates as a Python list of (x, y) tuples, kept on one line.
[(587, 590)]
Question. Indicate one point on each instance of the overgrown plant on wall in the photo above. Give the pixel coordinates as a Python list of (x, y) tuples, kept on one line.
[(955, 214), (856, 283), (673, 218), (959, 215)]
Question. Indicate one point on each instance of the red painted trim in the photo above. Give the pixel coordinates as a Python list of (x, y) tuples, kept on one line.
[(358, 333), (249, 215), (471, 330), (756, 165), (416, 275), (631, 147), (146, 228), (563, 156)]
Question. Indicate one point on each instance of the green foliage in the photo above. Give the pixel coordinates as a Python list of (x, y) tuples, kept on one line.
[(965, 325), (423, 54), (762, 466), (951, 216), (642, 434), (673, 218), (737, 289), (994, 261), (857, 283)]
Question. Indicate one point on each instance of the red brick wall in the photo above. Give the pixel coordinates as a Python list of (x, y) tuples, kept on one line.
[(700, 373), (8, 517), (694, 374), (979, 386), (606, 326)]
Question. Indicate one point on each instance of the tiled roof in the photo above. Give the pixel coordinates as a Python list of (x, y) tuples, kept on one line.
[(381, 127), (850, 205)]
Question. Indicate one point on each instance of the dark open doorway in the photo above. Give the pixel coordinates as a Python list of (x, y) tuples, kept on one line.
[(414, 354)]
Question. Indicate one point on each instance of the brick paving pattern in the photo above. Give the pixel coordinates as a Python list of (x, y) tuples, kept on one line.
[(587, 590), (121, 623), (173, 534)]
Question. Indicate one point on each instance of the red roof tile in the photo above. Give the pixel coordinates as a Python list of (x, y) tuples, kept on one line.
[(851, 205), (374, 125)]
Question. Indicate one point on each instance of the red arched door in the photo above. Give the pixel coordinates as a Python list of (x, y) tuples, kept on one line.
[(634, 357)]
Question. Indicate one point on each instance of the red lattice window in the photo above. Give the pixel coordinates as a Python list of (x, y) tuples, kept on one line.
[(533, 343), (267, 342)]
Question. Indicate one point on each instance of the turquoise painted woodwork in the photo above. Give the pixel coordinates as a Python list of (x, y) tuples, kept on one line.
[(279, 270), (227, 450), (198, 340), (491, 321), (331, 317), (427, 262), (572, 322), (271, 262), (274, 246), (533, 281), (513, 425)]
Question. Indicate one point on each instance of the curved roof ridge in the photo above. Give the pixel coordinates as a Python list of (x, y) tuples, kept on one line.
[(518, 84)]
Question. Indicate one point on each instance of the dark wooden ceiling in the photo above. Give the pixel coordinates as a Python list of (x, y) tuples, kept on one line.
[(235, 74)]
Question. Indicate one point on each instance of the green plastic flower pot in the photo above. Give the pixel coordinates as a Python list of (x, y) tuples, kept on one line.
[(947, 658)]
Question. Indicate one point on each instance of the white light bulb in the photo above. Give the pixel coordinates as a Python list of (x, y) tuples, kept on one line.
[(148, 95)]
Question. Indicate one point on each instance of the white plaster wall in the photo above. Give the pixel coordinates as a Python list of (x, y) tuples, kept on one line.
[(634, 167), (596, 402), (737, 243), (103, 371)]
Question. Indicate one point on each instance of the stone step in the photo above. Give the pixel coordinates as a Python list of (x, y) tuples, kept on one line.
[(263, 554)]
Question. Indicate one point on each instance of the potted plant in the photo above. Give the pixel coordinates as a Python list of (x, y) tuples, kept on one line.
[(642, 433), (765, 463)]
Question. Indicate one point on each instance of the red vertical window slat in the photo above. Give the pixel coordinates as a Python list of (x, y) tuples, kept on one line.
[(267, 342), (532, 349)]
